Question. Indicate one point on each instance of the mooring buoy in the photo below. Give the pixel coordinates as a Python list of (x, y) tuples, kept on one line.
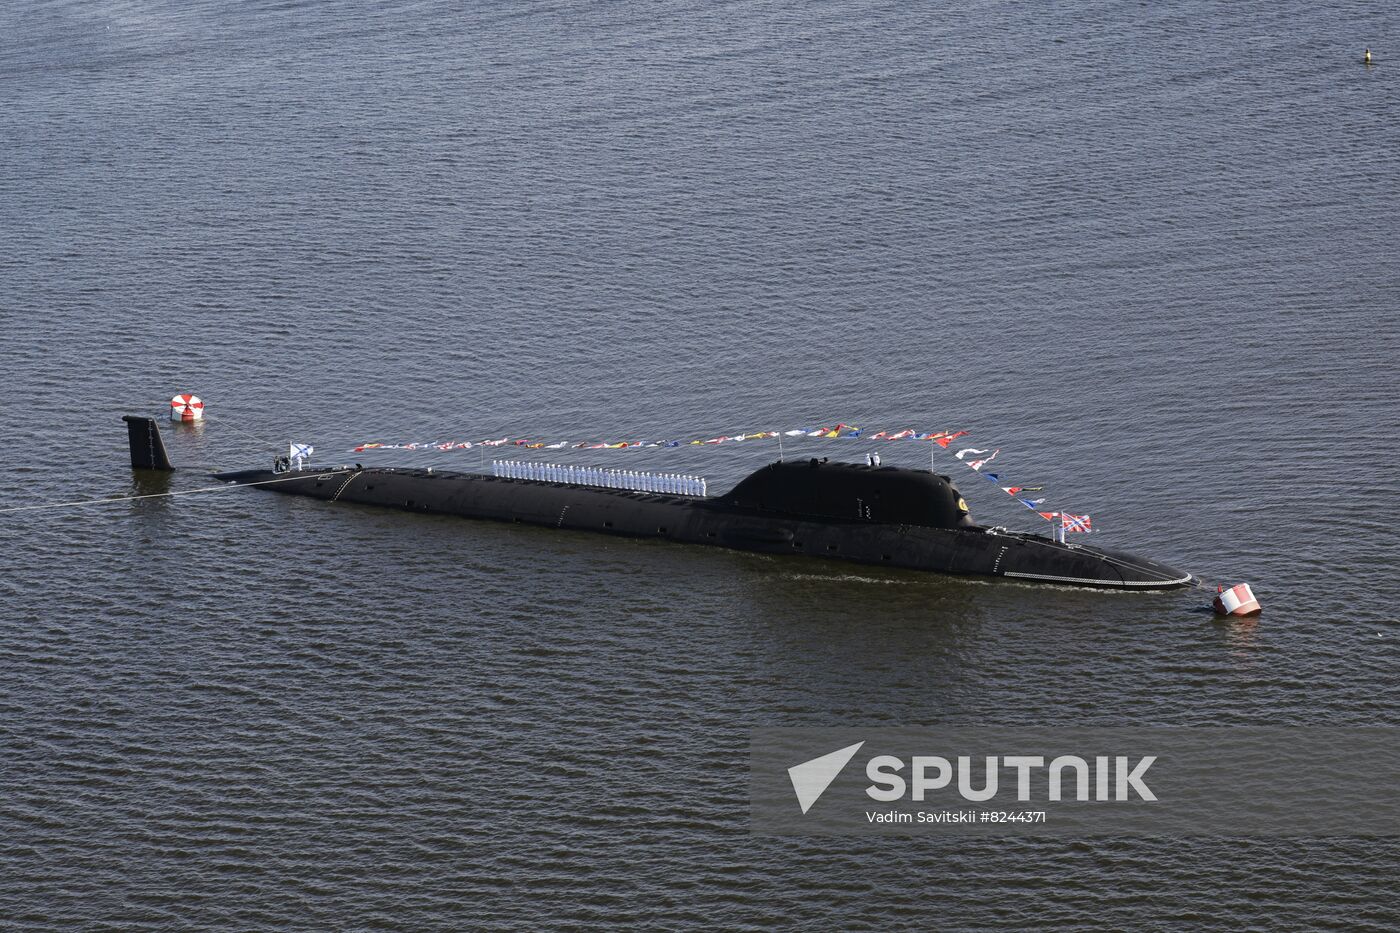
[(1238, 600), (186, 407)]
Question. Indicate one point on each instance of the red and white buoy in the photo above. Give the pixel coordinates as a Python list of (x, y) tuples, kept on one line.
[(186, 407), (1236, 601)]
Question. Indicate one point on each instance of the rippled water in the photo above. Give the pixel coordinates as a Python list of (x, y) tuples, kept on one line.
[(1146, 250)]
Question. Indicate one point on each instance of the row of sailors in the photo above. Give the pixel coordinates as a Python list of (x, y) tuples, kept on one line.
[(672, 483)]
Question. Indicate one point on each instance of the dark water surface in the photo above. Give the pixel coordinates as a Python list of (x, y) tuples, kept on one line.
[(1148, 249)]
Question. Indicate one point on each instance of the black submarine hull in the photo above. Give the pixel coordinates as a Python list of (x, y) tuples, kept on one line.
[(737, 521)]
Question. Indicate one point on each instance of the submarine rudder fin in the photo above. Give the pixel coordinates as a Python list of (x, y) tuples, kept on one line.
[(147, 447)]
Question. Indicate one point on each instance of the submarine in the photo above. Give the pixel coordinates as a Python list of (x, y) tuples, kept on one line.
[(875, 515)]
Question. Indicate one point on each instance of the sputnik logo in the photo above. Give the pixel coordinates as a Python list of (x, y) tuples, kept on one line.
[(811, 778)]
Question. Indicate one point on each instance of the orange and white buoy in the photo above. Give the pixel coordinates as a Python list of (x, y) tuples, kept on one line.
[(186, 407), (1236, 601)]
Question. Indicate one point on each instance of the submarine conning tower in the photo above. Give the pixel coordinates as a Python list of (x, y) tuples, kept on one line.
[(853, 492)]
